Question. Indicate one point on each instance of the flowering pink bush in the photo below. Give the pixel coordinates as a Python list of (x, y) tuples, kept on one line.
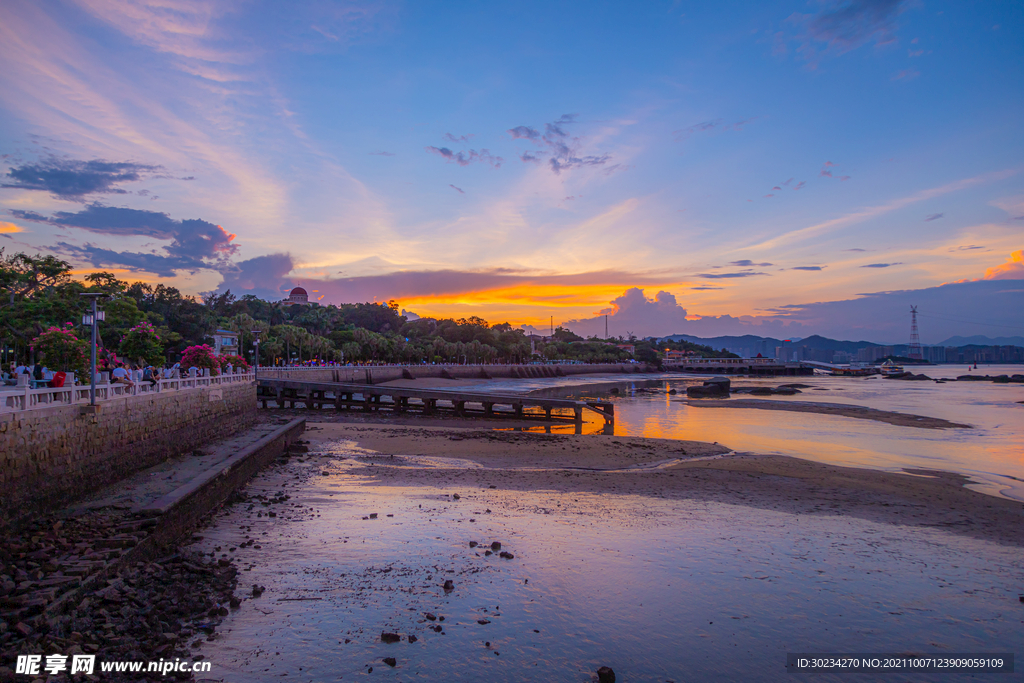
[(235, 360), (62, 350), (143, 343), (200, 356)]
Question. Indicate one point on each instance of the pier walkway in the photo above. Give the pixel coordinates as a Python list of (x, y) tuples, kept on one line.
[(347, 396)]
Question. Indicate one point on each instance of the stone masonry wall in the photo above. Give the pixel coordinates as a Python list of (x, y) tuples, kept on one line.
[(53, 455)]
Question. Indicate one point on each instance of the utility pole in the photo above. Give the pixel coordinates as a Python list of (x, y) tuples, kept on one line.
[(93, 320), (256, 364)]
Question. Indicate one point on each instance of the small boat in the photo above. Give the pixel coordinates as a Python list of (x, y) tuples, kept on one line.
[(890, 369)]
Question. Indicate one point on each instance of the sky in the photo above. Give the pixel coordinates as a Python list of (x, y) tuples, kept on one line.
[(784, 168)]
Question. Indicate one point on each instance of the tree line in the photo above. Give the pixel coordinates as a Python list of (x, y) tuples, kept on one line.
[(38, 293)]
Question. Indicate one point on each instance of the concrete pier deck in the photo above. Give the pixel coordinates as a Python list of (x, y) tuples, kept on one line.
[(285, 393)]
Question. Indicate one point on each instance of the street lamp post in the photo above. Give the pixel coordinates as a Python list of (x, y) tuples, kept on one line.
[(93, 320), (256, 364)]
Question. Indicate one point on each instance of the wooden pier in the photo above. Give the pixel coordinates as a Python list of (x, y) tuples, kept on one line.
[(287, 393)]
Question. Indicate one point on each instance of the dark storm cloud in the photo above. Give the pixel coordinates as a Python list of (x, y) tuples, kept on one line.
[(74, 179), (263, 276)]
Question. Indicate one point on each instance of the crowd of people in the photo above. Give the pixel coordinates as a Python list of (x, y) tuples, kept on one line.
[(122, 372)]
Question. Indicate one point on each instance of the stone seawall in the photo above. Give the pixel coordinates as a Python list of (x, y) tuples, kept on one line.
[(53, 455), (376, 374)]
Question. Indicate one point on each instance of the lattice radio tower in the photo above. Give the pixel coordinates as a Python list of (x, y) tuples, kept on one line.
[(915, 340)]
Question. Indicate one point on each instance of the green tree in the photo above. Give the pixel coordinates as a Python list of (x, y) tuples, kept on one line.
[(142, 343)]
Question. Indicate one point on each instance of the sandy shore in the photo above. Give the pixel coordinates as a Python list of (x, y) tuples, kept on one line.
[(562, 462), (841, 409)]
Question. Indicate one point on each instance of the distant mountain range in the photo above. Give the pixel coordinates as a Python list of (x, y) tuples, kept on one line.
[(763, 344), (980, 340), (766, 345)]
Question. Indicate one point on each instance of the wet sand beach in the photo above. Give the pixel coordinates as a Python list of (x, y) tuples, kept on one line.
[(843, 410), (663, 559)]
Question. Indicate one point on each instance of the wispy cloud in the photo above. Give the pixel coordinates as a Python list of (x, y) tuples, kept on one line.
[(461, 138), (842, 26), (881, 265), (74, 179), (748, 263), (874, 211), (808, 267), (562, 149), (713, 126), (826, 171), (382, 154), (468, 157), (933, 217), (905, 75), (716, 276), (194, 243), (457, 189)]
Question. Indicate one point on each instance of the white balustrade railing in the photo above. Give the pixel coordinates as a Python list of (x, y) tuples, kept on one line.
[(22, 398)]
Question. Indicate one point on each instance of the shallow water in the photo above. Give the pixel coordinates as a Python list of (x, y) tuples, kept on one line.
[(660, 590), (991, 453)]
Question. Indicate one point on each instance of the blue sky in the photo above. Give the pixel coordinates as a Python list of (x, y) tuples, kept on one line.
[(685, 167)]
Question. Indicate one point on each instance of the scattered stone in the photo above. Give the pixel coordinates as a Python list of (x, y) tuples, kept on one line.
[(492, 486), (507, 555), (496, 545), (456, 496), (715, 387), (430, 616), (373, 515), (449, 585), (390, 661), (257, 591), (472, 544), (605, 675), (390, 637), (438, 628), (413, 639), (324, 473), (482, 622), (487, 553)]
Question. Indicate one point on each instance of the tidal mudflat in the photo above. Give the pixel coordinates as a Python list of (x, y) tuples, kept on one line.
[(662, 559)]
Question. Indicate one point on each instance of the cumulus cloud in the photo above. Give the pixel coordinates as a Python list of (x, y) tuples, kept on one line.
[(468, 157), (1013, 269), (194, 243), (263, 276), (74, 179), (634, 312), (561, 148)]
